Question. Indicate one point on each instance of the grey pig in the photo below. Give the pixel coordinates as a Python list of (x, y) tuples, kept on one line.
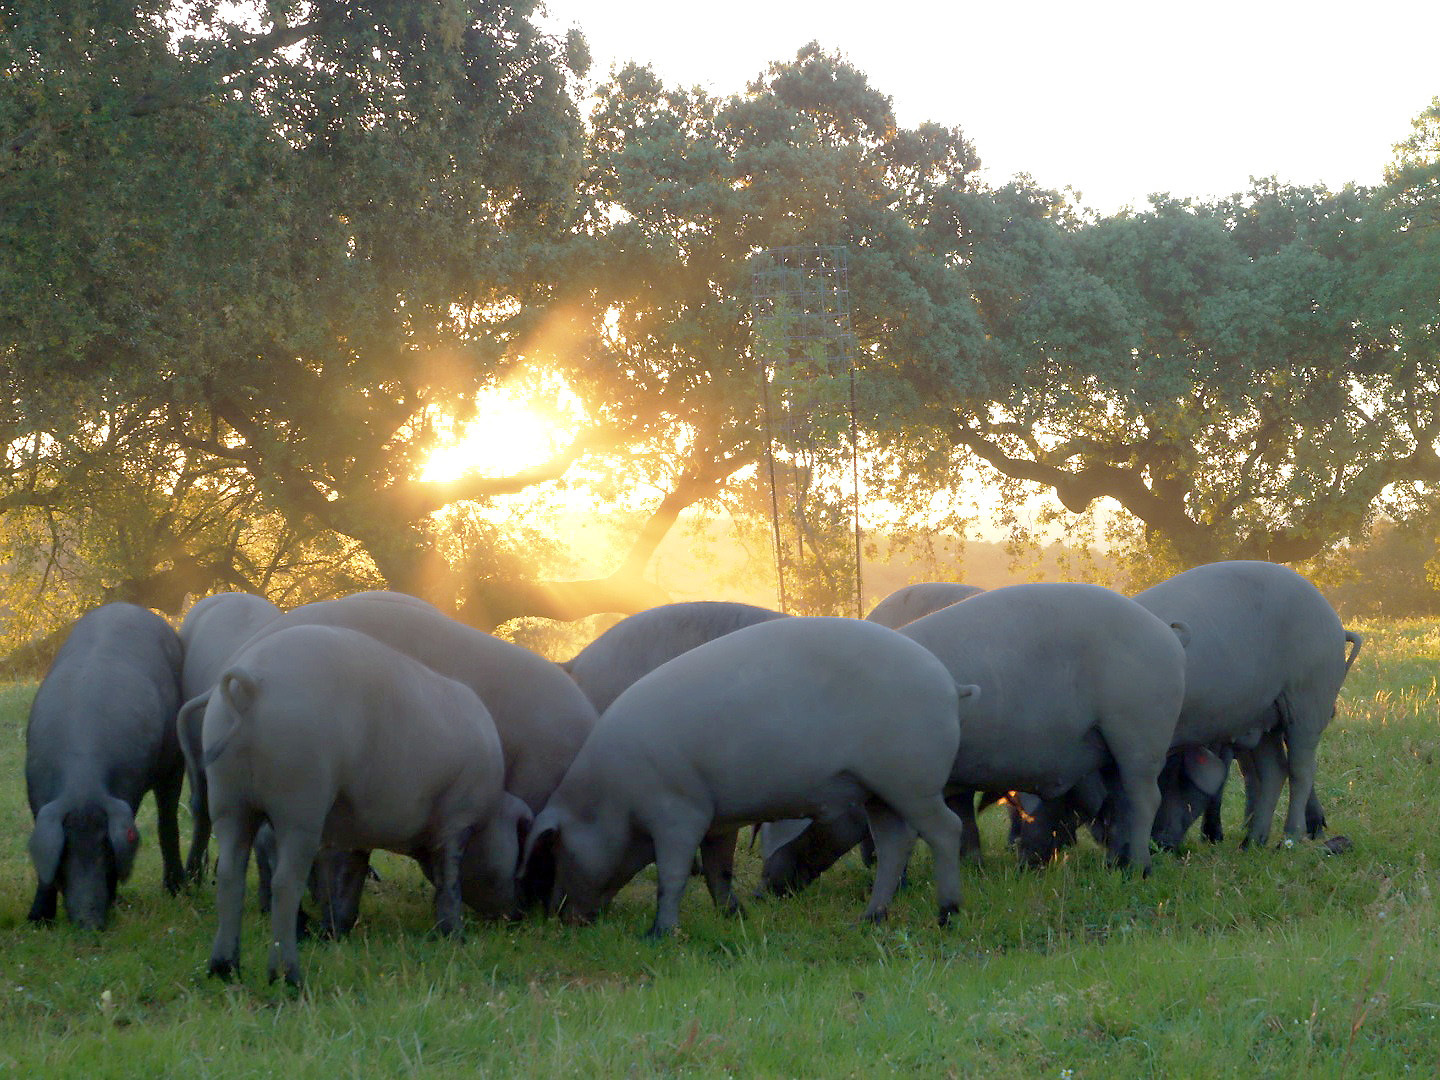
[(916, 601), (1073, 677), (789, 846), (337, 739), (541, 716), (781, 719), (101, 734), (637, 645), (213, 629), (1266, 661)]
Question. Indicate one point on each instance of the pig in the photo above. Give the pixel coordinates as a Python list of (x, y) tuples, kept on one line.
[(1268, 654), (788, 846), (211, 632), (783, 718), (1193, 786), (1265, 665), (639, 644), (541, 716), (1073, 677), (340, 740), (916, 601), (101, 734), (213, 629)]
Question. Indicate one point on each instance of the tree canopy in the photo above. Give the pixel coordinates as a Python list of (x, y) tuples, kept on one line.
[(1246, 378), (265, 249), (251, 257)]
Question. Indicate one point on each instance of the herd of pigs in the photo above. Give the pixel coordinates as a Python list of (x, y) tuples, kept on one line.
[(317, 735)]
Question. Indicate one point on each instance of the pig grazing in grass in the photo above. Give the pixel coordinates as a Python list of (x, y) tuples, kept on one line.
[(101, 734), (1072, 678), (339, 740), (1263, 669), (785, 718), (637, 645), (1267, 657), (541, 716)]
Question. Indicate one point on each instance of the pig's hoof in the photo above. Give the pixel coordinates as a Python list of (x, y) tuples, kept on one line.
[(657, 932), (946, 910), (223, 968), (877, 917), (292, 976)]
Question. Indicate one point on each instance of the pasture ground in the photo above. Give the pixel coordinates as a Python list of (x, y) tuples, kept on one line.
[(1222, 963)]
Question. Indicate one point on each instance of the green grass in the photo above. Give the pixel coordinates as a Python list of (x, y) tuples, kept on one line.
[(1222, 963)]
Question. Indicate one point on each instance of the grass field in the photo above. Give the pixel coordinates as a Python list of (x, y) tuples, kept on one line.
[(1222, 963)]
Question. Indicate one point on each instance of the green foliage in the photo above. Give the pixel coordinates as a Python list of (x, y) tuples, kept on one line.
[(1222, 962), (274, 240), (1390, 573), (683, 190), (1230, 373)]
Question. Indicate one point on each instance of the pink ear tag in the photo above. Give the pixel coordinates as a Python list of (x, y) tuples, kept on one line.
[(131, 836)]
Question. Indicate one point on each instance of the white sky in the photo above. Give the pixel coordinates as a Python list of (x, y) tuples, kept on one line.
[(1115, 98)]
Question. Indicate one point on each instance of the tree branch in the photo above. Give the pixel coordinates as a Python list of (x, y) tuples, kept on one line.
[(416, 498), (490, 603)]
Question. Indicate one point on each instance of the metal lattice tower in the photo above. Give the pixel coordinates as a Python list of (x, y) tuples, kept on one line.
[(806, 352)]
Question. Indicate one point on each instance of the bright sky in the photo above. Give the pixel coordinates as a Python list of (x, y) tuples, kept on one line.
[(1116, 98)]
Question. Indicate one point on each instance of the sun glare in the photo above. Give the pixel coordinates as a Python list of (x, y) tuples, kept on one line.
[(507, 435)]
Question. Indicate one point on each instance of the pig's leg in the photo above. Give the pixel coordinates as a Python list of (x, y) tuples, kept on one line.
[(1264, 769), (676, 839), (199, 836), (167, 827), (234, 832), (962, 804), (188, 725), (941, 828), (1314, 816), (1305, 718), (717, 861), (1138, 771), (43, 907), (1211, 827), (338, 881), (893, 841), (449, 907), (296, 846)]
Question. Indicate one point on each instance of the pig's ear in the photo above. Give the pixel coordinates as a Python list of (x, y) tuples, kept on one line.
[(1205, 770), (47, 843), (124, 837), (520, 817), (544, 834), (774, 835)]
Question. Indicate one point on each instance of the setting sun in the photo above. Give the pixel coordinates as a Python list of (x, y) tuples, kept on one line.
[(507, 434)]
